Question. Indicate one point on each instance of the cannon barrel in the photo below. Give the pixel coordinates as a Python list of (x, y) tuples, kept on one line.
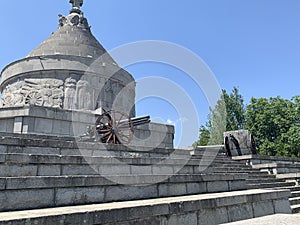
[(140, 118), (135, 121)]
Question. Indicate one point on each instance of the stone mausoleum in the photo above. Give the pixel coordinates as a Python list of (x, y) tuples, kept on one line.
[(57, 88), (49, 177)]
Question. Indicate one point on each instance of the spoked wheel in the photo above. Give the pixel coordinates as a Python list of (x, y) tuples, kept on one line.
[(114, 127)]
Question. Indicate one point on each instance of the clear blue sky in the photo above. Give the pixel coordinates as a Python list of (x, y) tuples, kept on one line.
[(251, 44)]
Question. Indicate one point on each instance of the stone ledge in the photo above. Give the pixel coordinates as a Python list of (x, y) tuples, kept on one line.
[(288, 176), (22, 158), (266, 159), (278, 219), (50, 165), (34, 140), (23, 193), (82, 181), (176, 209)]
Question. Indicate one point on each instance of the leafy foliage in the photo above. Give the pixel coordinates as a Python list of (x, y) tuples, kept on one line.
[(274, 122), (228, 114), (235, 117), (204, 137)]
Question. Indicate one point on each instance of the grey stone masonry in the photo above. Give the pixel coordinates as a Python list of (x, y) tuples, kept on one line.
[(278, 219), (68, 123), (207, 209), (271, 164), (69, 70), (16, 192)]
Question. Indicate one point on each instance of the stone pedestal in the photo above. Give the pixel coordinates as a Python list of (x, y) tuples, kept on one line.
[(239, 142), (58, 122)]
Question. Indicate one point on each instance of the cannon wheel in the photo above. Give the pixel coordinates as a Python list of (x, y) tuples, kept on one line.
[(114, 127)]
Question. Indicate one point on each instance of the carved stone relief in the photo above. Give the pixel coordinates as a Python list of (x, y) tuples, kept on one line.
[(44, 92), (74, 19), (39, 92), (13, 95), (83, 95), (70, 92)]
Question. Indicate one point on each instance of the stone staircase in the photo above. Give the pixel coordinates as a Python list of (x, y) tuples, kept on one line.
[(294, 198), (58, 180), (49, 172), (206, 209), (257, 177)]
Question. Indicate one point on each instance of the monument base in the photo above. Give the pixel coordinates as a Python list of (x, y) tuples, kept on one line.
[(58, 122)]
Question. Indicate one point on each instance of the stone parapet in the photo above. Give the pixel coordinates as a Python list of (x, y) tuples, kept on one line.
[(271, 164), (68, 123), (21, 193), (207, 209)]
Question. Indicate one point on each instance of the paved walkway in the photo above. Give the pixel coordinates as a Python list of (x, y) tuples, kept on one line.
[(278, 219)]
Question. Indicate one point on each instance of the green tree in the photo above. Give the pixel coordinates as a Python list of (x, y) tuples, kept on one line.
[(228, 114), (275, 125), (204, 136), (235, 110), (217, 122)]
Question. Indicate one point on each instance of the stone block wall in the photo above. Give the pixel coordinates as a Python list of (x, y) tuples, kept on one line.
[(58, 122)]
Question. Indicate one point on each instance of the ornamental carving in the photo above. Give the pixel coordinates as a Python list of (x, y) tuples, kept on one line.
[(39, 92), (74, 19), (44, 92), (12, 95), (83, 95), (34, 98), (70, 92)]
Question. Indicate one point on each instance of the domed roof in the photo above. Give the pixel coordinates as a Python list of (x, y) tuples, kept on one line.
[(73, 37), (72, 47)]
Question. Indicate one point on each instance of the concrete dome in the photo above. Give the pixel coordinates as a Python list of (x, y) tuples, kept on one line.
[(72, 38), (69, 70)]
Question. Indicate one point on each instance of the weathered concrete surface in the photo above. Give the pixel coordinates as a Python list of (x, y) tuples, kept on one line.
[(70, 144), (205, 209), (278, 219), (38, 192), (59, 122), (273, 164)]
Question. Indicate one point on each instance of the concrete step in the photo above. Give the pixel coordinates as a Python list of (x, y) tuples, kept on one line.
[(271, 185), (234, 170), (260, 159), (55, 165), (218, 156), (295, 194), (41, 144), (16, 170), (19, 158), (208, 150), (250, 174), (223, 164), (276, 219), (261, 175), (264, 180), (292, 188), (276, 165), (295, 201), (204, 209), (296, 208), (37, 192)]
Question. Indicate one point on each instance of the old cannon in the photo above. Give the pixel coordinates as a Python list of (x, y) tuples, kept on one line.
[(114, 127)]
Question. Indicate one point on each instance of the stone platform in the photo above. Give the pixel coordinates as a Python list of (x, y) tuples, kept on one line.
[(73, 123), (272, 164), (205, 209), (45, 171), (278, 219), (283, 168), (42, 173)]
